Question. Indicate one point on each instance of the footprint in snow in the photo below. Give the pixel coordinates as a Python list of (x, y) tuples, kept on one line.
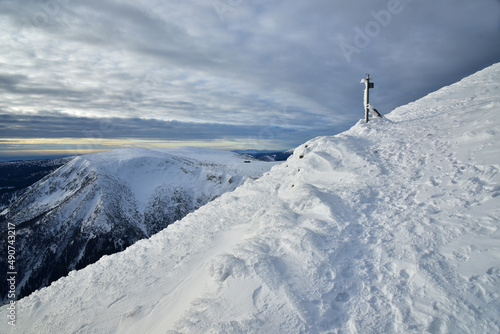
[(342, 297)]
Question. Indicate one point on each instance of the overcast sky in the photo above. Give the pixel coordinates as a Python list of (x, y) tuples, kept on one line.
[(82, 75)]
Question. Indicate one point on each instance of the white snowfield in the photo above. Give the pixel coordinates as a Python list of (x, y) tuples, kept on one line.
[(390, 227)]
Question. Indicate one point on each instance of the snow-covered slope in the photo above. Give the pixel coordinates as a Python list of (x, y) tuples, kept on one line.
[(101, 203), (390, 227)]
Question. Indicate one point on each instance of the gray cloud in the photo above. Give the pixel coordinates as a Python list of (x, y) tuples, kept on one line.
[(233, 67), (61, 126)]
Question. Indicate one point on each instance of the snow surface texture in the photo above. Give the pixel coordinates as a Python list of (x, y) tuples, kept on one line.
[(99, 204), (390, 227)]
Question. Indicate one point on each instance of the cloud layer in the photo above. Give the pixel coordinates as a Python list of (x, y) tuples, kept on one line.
[(227, 69)]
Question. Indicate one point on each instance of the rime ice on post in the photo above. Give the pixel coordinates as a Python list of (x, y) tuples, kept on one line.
[(368, 106)]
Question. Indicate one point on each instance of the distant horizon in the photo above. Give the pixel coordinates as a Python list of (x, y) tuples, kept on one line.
[(31, 157), (82, 146), (41, 156)]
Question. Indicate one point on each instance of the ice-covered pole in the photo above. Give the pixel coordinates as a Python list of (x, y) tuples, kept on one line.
[(368, 85)]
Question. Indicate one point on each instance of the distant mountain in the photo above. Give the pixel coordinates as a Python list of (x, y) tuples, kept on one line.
[(266, 155), (99, 204), (17, 175)]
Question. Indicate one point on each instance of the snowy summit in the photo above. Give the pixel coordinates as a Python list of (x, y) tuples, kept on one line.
[(390, 227), (99, 204)]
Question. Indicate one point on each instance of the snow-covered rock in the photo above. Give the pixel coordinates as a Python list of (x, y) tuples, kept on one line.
[(390, 227), (99, 204)]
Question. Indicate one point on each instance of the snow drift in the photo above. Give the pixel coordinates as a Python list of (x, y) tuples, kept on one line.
[(390, 227)]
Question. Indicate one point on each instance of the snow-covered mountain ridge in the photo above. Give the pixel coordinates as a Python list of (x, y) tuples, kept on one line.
[(99, 204), (390, 227)]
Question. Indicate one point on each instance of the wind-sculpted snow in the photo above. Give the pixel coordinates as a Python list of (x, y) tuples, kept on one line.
[(100, 204), (390, 227)]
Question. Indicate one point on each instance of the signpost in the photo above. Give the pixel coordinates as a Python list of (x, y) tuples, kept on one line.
[(368, 106)]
